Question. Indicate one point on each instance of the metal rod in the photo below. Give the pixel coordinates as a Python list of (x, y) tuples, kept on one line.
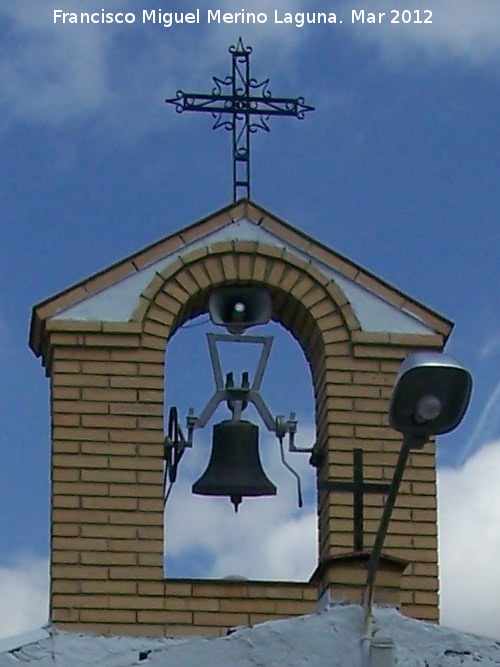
[(294, 473), (215, 361), (382, 531), (358, 499), (263, 359)]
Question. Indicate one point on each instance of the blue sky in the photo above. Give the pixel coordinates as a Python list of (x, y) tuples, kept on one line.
[(397, 169)]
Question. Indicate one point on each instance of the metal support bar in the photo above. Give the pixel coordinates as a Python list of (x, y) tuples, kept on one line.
[(358, 499), (215, 361), (265, 341), (257, 400), (261, 366), (292, 471), (382, 530), (238, 397), (227, 392)]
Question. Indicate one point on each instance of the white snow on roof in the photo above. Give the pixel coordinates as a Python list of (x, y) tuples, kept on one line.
[(332, 638)]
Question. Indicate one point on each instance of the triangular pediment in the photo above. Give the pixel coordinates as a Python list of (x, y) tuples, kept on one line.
[(113, 294)]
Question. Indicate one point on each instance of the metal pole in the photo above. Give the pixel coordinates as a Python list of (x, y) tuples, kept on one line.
[(358, 499), (382, 530)]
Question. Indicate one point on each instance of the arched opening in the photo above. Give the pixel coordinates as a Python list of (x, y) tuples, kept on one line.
[(316, 313), (269, 538)]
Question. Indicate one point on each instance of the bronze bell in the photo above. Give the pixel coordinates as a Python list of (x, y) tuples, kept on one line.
[(234, 468)]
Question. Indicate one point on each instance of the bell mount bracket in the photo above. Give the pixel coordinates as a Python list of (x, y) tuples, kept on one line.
[(238, 398)]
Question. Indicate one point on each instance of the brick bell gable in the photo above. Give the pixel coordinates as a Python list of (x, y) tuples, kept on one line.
[(103, 344)]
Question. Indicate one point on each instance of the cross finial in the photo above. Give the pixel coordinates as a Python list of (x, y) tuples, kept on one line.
[(242, 105), (240, 47)]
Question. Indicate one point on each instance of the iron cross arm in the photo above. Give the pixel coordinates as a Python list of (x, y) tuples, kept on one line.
[(248, 105), (349, 487), (240, 103)]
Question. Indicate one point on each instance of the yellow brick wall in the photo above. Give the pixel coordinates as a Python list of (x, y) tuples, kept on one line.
[(181, 606), (107, 432)]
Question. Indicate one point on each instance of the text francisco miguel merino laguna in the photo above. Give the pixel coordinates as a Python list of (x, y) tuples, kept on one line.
[(298, 19)]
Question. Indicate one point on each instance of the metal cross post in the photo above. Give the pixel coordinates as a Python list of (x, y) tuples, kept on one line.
[(241, 104), (358, 487)]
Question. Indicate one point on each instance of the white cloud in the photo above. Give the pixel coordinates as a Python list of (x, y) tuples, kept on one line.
[(58, 75), (469, 533), (110, 77), (49, 75), (490, 346), (463, 30), (24, 589)]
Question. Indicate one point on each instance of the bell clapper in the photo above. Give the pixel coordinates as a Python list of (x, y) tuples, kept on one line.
[(236, 500)]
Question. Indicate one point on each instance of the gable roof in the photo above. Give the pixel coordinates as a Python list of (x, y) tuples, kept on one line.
[(113, 293), (333, 637)]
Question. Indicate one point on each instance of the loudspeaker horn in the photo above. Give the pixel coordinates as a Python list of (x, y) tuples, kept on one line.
[(238, 308)]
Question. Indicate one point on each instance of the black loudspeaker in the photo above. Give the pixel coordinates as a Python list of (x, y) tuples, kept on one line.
[(238, 308)]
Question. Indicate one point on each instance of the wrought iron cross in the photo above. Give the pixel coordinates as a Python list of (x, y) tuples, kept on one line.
[(241, 104), (358, 487)]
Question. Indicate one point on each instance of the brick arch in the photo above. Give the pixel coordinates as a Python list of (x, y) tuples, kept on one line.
[(308, 304)]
